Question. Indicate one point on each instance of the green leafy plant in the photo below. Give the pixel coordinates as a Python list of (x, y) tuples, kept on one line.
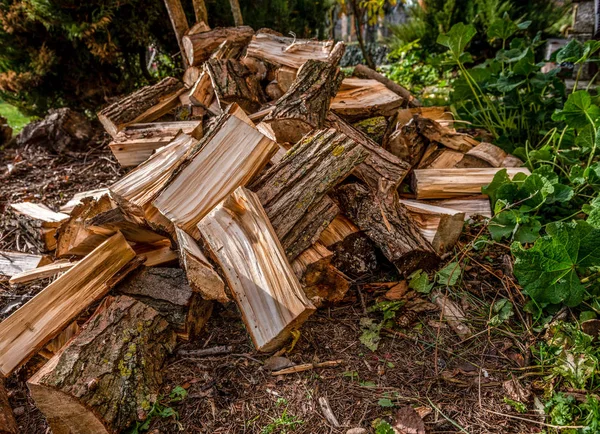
[(382, 427), (503, 310), (284, 423), (161, 409)]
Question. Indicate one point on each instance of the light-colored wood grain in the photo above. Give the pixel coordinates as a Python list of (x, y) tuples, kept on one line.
[(156, 254), (12, 263), (449, 183), (360, 98), (337, 231), (42, 272), (230, 158), (269, 47), (77, 197), (44, 316), (471, 206), (36, 211), (263, 284)]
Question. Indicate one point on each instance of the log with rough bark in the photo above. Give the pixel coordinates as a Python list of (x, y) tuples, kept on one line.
[(92, 388), (436, 132), (144, 105), (201, 275), (440, 226), (449, 183), (40, 222), (233, 82), (8, 424), (12, 263), (304, 106), (389, 225), (39, 320), (298, 184), (283, 51), (42, 272), (354, 254), (200, 11), (488, 155), (179, 23), (381, 171), (405, 141), (136, 143), (440, 157), (229, 156), (363, 71), (358, 99), (167, 291), (200, 46), (78, 197), (285, 76), (136, 190), (261, 280)]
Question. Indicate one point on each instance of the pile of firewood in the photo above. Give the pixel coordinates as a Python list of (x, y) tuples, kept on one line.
[(285, 182)]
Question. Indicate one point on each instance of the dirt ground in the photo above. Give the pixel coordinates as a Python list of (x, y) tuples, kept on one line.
[(457, 384)]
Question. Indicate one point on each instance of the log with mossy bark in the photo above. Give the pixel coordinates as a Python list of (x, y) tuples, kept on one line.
[(297, 185), (89, 388), (144, 105), (199, 47), (305, 105)]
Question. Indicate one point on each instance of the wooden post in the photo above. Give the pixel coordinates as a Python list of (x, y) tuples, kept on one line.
[(180, 24), (237, 13)]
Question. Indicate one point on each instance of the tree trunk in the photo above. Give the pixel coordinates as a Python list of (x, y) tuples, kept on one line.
[(237, 13), (233, 82), (92, 388), (387, 223), (200, 11), (145, 105), (305, 105), (358, 26), (179, 23), (200, 46), (300, 181)]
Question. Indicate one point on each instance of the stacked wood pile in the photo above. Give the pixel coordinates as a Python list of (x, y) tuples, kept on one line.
[(270, 195)]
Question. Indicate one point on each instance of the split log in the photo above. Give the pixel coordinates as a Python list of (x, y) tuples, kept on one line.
[(40, 222), (145, 105), (56, 344), (78, 197), (200, 46), (304, 106), (28, 329), (405, 141), (199, 27), (99, 389), (201, 275), (298, 184), (488, 155), (115, 220), (389, 225), (471, 206), (155, 254), (136, 143), (440, 157), (449, 183), (359, 99), (285, 76), (43, 272), (440, 226), (354, 254), (233, 82), (179, 23), (262, 282), (8, 424), (363, 71), (13, 263), (229, 156), (136, 190), (191, 75), (441, 115), (166, 291), (512, 161), (381, 171), (320, 280), (448, 137), (284, 51)]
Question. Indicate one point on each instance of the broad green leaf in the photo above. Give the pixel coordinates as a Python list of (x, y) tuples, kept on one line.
[(500, 178), (503, 310), (385, 402), (449, 275), (512, 224), (578, 111), (457, 38), (589, 49), (370, 333), (571, 52), (576, 175), (419, 281), (502, 28)]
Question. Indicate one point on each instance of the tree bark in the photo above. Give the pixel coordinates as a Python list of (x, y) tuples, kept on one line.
[(237, 13), (92, 388), (304, 106), (200, 11), (233, 82), (200, 46), (358, 26), (387, 223), (303, 177)]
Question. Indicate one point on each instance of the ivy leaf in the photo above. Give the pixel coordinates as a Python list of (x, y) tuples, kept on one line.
[(578, 110), (457, 38), (548, 271), (449, 275)]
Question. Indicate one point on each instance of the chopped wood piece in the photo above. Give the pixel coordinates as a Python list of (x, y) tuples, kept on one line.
[(136, 143), (93, 388), (42, 213), (262, 282), (200, 46), (77, 197), (363, 71), (179, 23), (440, 157), (44, 316), (328, 412), (337, 231), (136, 190), (191, 75), (285, 76), (448, 183), (230, 155), (144, 105), (56, 344), (484, 155), (381, 170), (405, 141), (305, 105), (471, 206), (374, 128), (307, 367), (233, 82), (200, 11), (199, 27), (159, 253), (273, 91), (257, 67), (441, 115), (358, 98), (39, 221), (297, 185), (284, 51), (8, 424), (448, 137), (166, 291), (201, 275), (13, 263), (315, 254), (111, 221), (512, 161), (389, 225), (42, 272)]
